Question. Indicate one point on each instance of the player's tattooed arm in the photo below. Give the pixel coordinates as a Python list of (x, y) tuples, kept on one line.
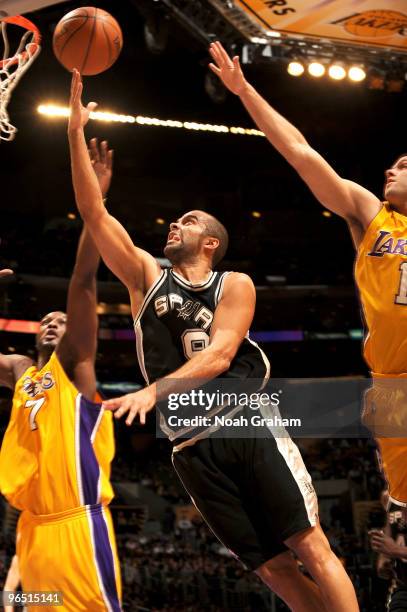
[(232, 320), (343, 197), (136, 268)]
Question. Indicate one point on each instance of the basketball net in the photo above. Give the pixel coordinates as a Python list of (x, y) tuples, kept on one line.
[(13, 67)]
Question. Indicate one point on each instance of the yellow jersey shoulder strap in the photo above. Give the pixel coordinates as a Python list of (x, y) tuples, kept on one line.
[(384, 213)]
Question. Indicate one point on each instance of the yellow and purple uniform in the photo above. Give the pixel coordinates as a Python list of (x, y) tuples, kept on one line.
[(55, 467), (381, 276)]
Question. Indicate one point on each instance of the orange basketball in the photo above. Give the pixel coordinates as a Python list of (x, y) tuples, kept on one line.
[(88, 39)]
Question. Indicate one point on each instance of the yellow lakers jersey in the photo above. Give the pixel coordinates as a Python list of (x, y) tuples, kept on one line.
[(58, 446), (381, 276)]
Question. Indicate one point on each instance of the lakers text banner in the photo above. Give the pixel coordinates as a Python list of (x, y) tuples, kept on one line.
[(381, 23), (306, 408)]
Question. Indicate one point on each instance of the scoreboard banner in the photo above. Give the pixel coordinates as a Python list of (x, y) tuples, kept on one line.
[(9, 8), (377, 23)]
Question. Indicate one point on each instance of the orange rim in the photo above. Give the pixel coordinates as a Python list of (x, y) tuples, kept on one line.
[(28, 25)]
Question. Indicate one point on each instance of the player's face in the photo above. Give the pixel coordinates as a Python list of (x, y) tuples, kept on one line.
[(52, 328), (395, 187), (186, 237)]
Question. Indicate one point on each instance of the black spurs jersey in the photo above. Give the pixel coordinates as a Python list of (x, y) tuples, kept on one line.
[(174, 323), (398, 527)]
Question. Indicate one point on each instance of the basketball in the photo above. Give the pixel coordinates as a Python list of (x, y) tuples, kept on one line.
[(88, 39)]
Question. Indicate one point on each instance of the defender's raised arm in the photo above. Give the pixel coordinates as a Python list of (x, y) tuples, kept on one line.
[(341, 196)]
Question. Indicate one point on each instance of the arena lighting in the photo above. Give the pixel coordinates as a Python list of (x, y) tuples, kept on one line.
[(259, 41), (337, 72), (356, 74), (295, 68), (316, 69), (256, 214), (52, 110), (160, 221), (326, 213), (127, 334), (55, 111), (376, 79), (395, 83)]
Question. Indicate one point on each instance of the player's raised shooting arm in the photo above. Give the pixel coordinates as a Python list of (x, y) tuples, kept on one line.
[(136, 268), (343, 197)]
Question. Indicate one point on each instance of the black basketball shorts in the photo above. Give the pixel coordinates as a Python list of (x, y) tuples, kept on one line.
[(253, 493)]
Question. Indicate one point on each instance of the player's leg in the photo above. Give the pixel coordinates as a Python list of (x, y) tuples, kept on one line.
[(111, 539), (283, 576), (72, 553), (385, 414), (285, 506), (312, 547), (211, 471)]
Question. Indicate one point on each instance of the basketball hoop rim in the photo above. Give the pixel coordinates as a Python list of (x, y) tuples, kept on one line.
[(23, 22)]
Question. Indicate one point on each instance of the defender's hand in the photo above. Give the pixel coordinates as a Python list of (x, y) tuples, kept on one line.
[(6, 272), (102, 161), (226, 69), (139, 403), (79, 114)]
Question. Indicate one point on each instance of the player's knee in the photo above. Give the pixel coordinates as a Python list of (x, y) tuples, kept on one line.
[(311, 547), (275, 569)]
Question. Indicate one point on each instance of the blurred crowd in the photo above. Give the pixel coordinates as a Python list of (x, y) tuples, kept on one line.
[(352, 459)]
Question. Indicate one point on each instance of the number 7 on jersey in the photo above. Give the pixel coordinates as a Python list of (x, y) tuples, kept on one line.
[(35, 406)]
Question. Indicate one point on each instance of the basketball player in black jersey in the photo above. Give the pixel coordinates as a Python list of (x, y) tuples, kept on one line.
[(391, 545), (192, 323)]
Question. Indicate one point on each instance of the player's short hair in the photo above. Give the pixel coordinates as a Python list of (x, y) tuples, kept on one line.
[(59, 310), (397, 159), (217, 230)]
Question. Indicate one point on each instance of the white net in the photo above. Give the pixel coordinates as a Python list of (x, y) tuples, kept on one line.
[(12, 69)]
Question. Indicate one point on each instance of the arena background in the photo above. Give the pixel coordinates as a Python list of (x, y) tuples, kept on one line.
[(300, 257)]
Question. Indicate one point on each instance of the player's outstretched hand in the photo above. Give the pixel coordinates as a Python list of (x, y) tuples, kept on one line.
[(79, 114), (227, 69), (139, 403), (6, 272), (102, 161)]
